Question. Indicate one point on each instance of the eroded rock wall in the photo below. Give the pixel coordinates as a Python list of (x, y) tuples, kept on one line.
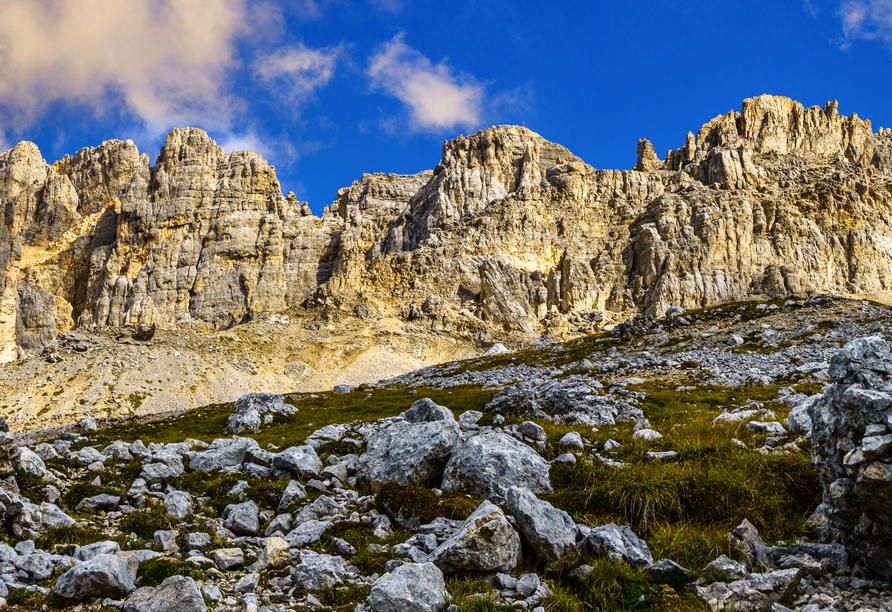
[(509, 233)]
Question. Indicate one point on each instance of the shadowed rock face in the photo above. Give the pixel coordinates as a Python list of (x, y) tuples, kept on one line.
[(852, 450), (509, 233)]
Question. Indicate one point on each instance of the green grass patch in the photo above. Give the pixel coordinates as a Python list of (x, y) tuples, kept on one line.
[(315, 410), (360, 536), (466, 591), (76, 534), (613, 586), (144, 523), (154, 571), (683, 508), (30, 487), (82, 490)]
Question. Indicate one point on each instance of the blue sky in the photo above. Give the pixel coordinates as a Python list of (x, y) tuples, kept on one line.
[(329, 89)]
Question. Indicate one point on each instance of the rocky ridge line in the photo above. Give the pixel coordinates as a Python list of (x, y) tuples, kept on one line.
[(508, 234)]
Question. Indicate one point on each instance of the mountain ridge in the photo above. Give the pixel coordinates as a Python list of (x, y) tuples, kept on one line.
[(508, 237)]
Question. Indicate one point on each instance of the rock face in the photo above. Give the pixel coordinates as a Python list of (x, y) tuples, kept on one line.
[(103, 575), (551, 532), (412, 587), (174, 594), (852, 450), (509, 233), (491, 462), (410, 453), (485, 542)]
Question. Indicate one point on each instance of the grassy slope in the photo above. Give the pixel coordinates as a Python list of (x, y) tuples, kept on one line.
[(682, 508)]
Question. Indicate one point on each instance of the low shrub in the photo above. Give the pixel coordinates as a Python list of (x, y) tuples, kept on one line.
[(154, 571), (82, 490), (76, 534), (144, 523), (410, 502), (614, 586), (458, 506)]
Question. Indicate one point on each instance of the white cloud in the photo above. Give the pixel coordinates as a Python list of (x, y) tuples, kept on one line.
[(301, 70), (388, 6), (866, 19), (165, 59), (811, 7), (245, 142), (435, 96)]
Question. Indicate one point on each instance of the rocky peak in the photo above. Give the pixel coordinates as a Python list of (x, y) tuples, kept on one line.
[(775, 124), (724, 148), (23, 175), (508, 232), (494, 164), (99, 174)]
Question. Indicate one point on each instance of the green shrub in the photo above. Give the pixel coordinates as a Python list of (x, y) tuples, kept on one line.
[(20, 597), (342, 598), (410, 502), (30, 486), (154, 571), (458, 506), (69, 534), (144, 523), (82, 490), (266, 493)]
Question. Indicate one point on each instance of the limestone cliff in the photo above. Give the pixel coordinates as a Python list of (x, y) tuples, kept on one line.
[(509, 233)]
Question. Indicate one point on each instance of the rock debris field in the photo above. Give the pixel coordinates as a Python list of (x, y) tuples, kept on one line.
[(737, 457)]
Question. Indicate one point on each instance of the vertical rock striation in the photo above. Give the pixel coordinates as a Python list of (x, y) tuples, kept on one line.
[(509, 233)]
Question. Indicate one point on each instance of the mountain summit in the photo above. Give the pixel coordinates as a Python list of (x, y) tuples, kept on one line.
[(508, 234)]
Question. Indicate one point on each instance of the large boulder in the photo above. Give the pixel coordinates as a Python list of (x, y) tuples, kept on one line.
[(27, 461), (33, 521), (551, 532), (412, 587), (174, 594), (178, 504), (222, 454), (255, 409), (852, 450), (299, 460), (276, 553), (410, 453), (745, 537), (491, 462), (486, 542), (618, 544), (102, 576), (426, 410), (317, 571), (243, 518), (755, 593)]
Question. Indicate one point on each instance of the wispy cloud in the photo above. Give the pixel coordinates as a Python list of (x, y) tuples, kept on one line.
[(867, 20), (435, 96), (245, 142), (165, 60), (811, 7), (299, 71), (389, 6)]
